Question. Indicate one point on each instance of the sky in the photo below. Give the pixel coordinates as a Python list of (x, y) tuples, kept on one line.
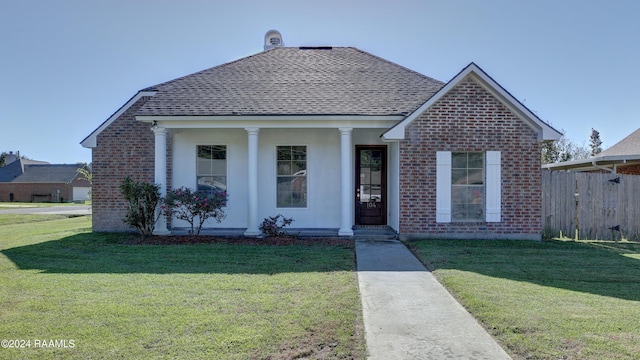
[(67, 65)]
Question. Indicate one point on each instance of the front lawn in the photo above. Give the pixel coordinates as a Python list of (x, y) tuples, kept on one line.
[(115, 300), (546, 300), (19, 205)]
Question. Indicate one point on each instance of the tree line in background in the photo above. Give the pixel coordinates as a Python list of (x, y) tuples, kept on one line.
[(564, 149)]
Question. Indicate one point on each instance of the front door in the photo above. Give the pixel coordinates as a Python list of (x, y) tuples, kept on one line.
[(371, 185)]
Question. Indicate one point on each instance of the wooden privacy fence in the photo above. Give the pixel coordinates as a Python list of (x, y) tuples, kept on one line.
[(599, 206)]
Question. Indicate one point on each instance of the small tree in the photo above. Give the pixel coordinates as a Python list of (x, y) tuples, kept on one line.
[(595, 143), (143, 199), (86, 174), (562, 149), (195, 207)]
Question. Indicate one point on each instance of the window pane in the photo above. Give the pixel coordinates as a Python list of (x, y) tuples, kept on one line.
[(459, 160), (298, 153), (476, 194), (476, 160), (376, 177), (212, 183), (218, 152), (204, 152), (284, 168), (376, 193), (299, 191), (298, 166), (203, 166), (365, 157), (475, 212), (219, 166), (458, 212), (284, 153), (459, 176), (365, 176), (459, 195), (475, 177)]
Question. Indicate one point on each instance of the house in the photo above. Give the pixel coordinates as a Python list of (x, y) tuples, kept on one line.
[(621, 158), (335, 138), (38, 181)]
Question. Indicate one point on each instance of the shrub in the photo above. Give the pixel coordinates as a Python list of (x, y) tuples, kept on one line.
[(273, 225), (143, 198), (195, 207)]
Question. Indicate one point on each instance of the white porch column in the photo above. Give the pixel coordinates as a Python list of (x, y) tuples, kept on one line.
[(161, 174), (346, 185), (252, 190)]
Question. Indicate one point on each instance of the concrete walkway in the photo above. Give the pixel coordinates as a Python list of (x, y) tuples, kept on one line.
[(409, 315)]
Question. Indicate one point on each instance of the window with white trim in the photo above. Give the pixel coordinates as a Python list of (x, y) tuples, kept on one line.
[(211, 168), (468, 186), (291, 176)]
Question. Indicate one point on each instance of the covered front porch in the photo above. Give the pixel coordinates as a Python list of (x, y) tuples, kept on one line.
[(252, 168)]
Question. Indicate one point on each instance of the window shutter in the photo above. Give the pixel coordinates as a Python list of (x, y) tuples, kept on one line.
[(493, 186), (443, 186)]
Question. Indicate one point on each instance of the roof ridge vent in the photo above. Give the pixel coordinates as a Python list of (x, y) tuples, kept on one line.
[(315, 47), (273, 39)]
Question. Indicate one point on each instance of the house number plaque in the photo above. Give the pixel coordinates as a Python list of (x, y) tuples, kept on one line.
[(371, 205)]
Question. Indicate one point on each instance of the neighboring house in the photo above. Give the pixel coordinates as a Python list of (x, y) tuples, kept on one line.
[(621, 158), (335, 138), (37, 181)]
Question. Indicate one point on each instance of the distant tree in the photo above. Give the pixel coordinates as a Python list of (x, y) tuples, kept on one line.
[(550, 152), (595, 143), (86, 174), (562, 150), (3, 157)]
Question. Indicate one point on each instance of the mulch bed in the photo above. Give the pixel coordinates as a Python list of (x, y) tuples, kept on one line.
[(266, 241)]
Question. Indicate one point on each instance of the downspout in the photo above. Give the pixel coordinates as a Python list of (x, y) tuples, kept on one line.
[(613, 171)]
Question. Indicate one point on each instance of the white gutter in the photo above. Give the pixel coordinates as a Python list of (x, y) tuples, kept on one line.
[(594, 163)]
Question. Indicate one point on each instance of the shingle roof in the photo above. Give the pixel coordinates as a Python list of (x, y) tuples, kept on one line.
[(38, 173), (11, 171), (630, 145), (296, 81)]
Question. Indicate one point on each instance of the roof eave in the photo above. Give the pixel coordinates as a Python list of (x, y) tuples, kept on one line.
[(593, 163), (91, 140), (273, 121)]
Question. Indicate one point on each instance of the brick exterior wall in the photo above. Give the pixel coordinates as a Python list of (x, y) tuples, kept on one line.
[(36, 192), (124, 148), (629, 170), (469, 118)]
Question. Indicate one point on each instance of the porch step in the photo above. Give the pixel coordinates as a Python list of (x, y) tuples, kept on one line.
[(374, 233)]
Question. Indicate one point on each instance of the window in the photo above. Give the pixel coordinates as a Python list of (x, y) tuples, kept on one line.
[(211, 168), (467, 186), (292, 176)]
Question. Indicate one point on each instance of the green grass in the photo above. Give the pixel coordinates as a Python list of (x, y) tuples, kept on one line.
[(10, 219), (14, 205), (203, 301), (546, 300)]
